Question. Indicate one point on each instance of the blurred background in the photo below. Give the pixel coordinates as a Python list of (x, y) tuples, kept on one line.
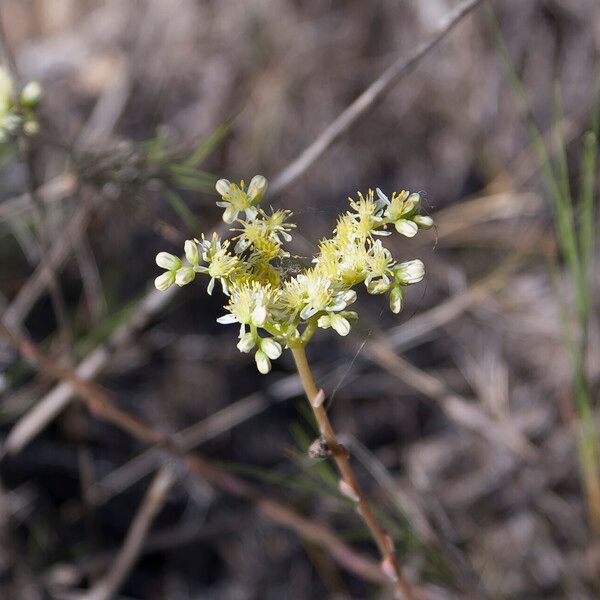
[(470, 416)]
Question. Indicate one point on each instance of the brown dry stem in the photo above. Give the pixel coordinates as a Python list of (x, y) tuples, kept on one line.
[(349, 485)]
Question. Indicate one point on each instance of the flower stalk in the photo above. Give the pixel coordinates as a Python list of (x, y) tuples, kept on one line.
[(348, 484)]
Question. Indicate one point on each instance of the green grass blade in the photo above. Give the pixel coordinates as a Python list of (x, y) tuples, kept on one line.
[(587, 227), (183, 211), (205, 148)]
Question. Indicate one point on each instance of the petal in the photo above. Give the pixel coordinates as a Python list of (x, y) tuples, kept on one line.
[(407, 228), (224, 285), (349, 297), (341, 325), (227, 319), (336, 305), (377, 286), (222, 186), (211, 286), (251, 213), (271, 348), (262, 362), (241, 245), (410, 272), (382, 196), (396, 300), (308, 311), (257, 188), (412, 203), (423, 222), (230, 215)]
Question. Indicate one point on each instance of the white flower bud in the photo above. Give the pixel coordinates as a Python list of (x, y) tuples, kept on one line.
[(396, 299), (406, 227), (184, 276), (410, 272), (271, 348), (223, 186), (246, 343), (262, 362), (31, 94), (31, 127), (168, 261), (191, 252), (423, 222), (165, 281)]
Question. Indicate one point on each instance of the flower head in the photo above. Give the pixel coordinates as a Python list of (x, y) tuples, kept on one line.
[(249, 304), (367, 215), (215, 252), (17, 110), (236, 199), (402, 211), (380, 263), (276, 307)]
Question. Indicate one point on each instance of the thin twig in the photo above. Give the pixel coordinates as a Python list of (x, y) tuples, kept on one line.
[(151, 505)]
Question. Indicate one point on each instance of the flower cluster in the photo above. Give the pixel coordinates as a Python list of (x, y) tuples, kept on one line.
[(17, 112), (275, 310)]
